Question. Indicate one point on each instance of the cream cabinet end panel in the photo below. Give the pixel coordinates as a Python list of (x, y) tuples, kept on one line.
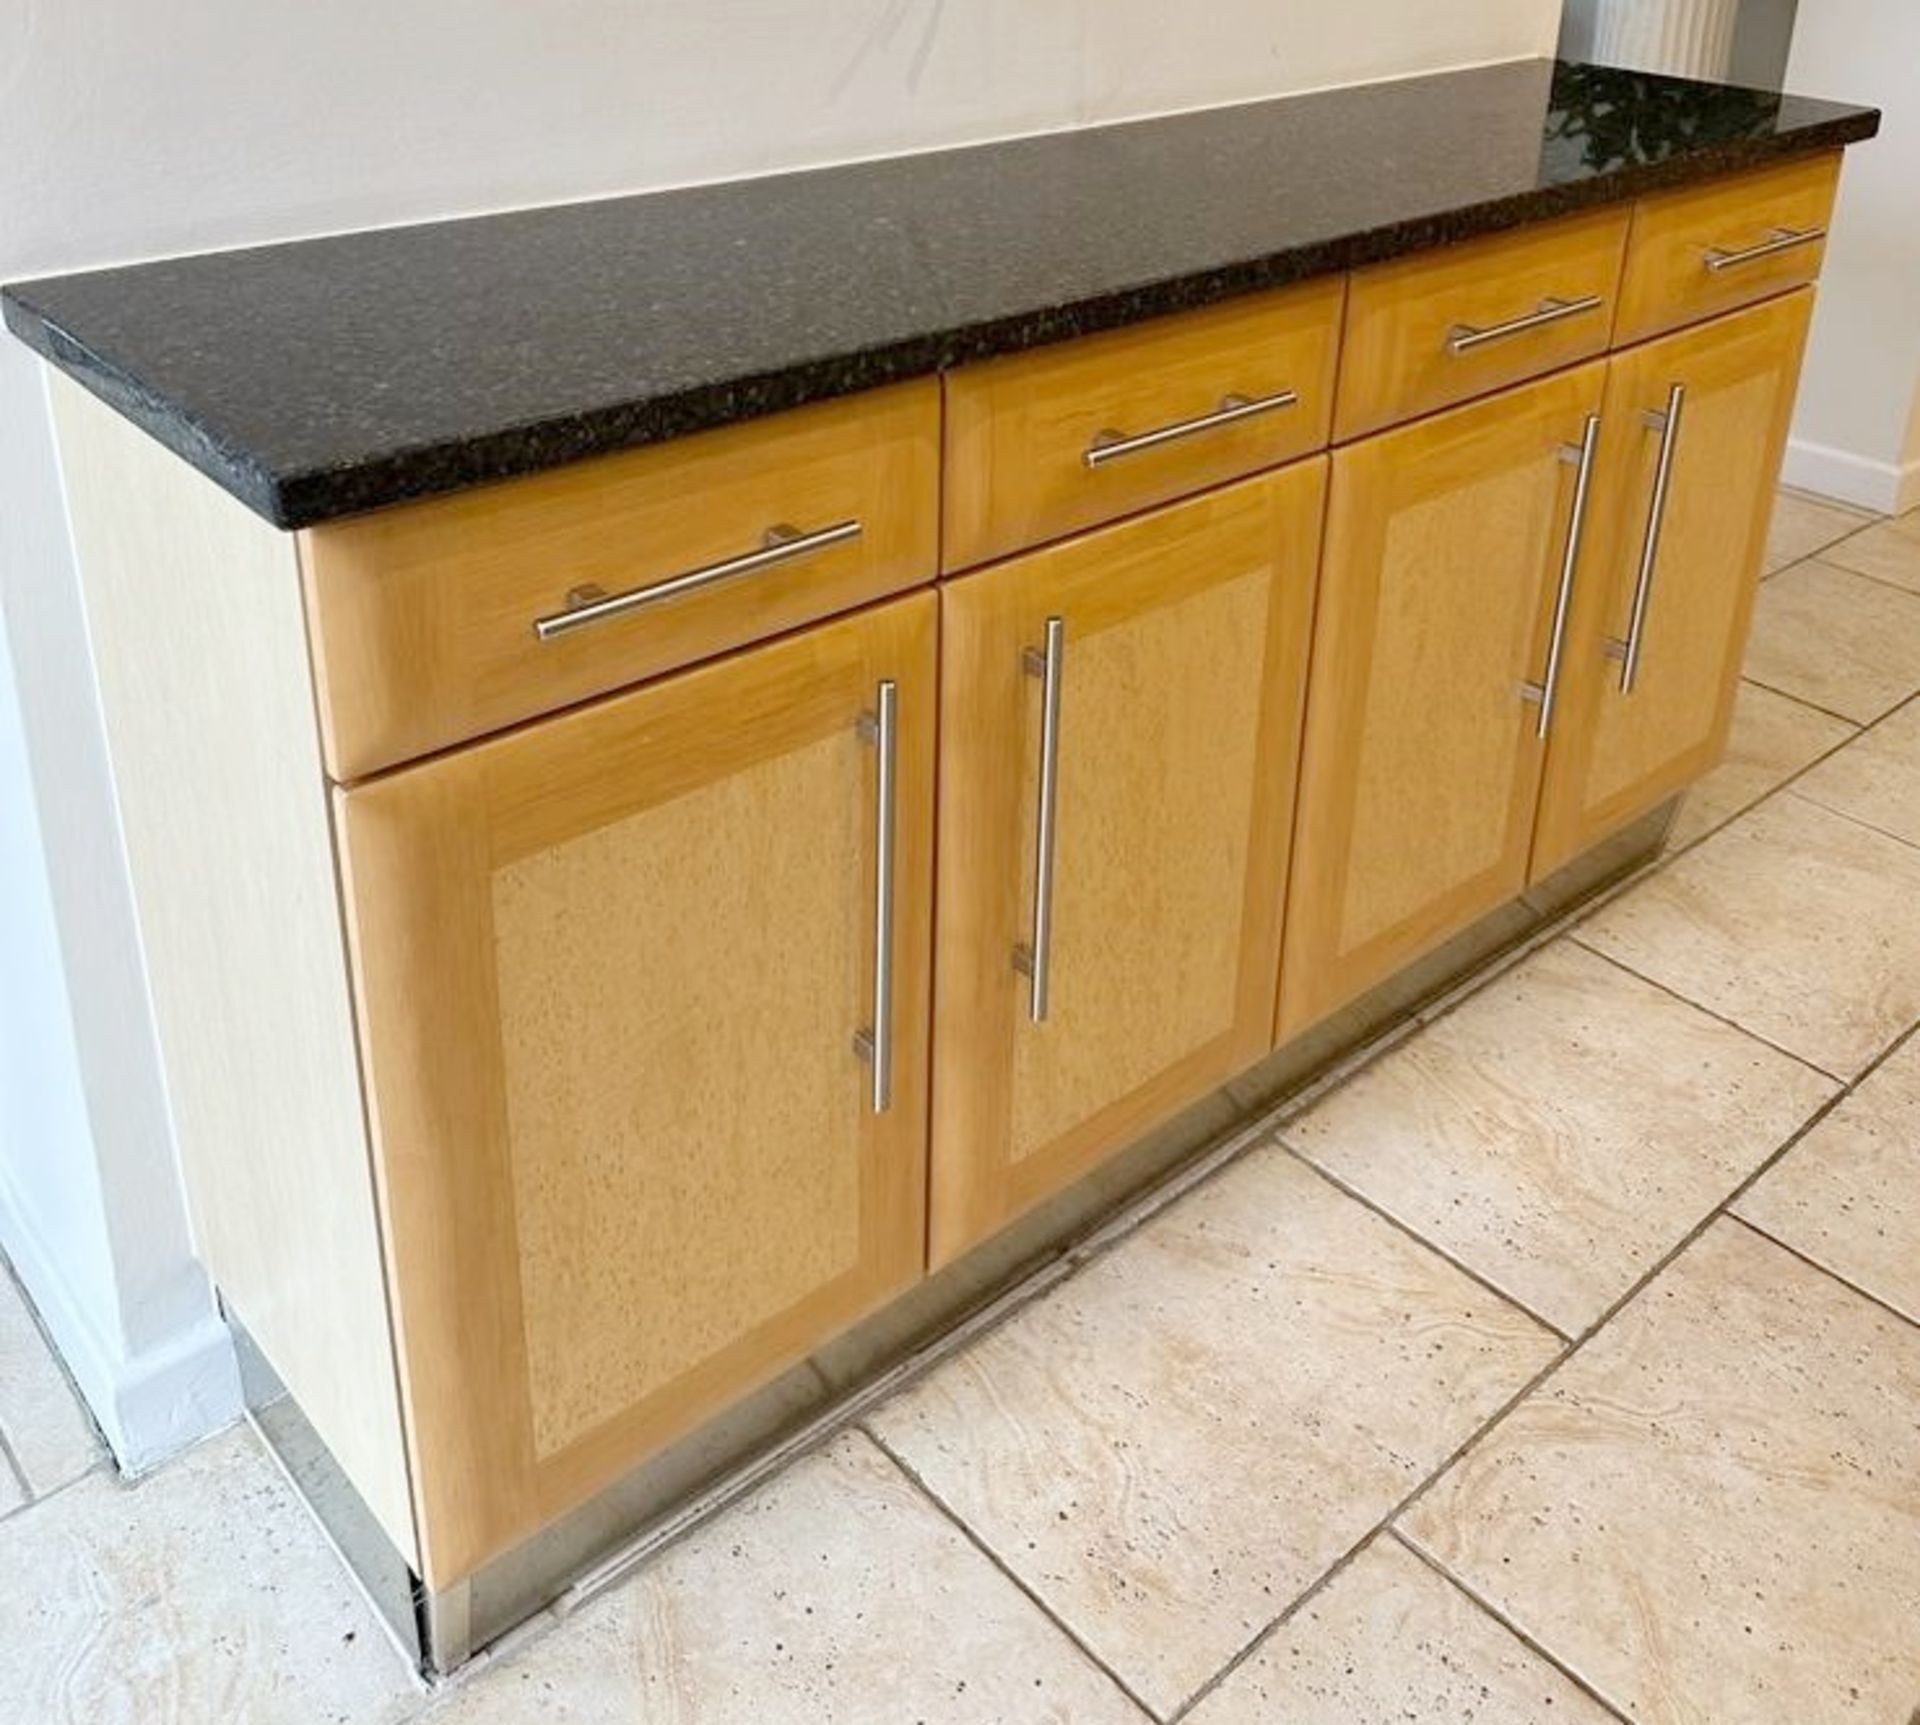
[(193, 610)]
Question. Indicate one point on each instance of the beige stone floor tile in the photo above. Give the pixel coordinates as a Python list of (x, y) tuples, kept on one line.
[(1889, 551), (1772, 738), (51, 1438), (1848, 1194), (1836, 639), (204, 1593), (836, 1593), (1173, 1445), (1390, 1640), (1875, 779), (1562, 1130), (1797, 923), (1712, 1512), (1803, 524)]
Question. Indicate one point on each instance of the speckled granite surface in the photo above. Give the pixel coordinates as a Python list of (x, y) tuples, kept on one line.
[(325, 377)]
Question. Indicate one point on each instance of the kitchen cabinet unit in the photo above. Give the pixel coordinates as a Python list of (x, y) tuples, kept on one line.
[(1448, 574), (701, 807), (1119, 723), (1695, 426)]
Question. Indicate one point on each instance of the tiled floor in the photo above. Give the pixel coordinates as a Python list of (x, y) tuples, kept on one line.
[(1564, 1364)]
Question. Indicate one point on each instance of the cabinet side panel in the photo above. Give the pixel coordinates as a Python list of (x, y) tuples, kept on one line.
[(193, 612)]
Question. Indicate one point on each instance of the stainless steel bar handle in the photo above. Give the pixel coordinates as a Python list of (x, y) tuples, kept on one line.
[(1547, 690), (1779, 240), (1465, 337), (875, 1045), (783, 544), (1111, 445), (1034, 960), (1668, 424)]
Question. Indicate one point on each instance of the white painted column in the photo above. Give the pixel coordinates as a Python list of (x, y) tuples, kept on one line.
[(91, 1211), (1688, 38)]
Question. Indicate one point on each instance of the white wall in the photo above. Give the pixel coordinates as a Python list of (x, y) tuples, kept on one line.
[(47, 1174), (1762, 43), (130, 128), (1742, 41), (90, 1207), (1857, 431)]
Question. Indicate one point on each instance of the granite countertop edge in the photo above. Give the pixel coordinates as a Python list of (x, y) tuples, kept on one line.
[(295, 498)]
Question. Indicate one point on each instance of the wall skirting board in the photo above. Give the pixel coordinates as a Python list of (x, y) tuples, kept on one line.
[(1839, 473), (151, 1403)]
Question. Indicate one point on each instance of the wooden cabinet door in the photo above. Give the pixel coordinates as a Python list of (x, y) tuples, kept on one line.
[(1178, 649), (1682, 553), (610, 972), (1445, 548)]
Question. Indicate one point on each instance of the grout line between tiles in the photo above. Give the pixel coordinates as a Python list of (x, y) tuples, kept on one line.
[(1854, 532), (1784, 786), (1383, 1525), (1848, 815), (1673, 993), (1533, 1384), (980, 1545), (1660, 1266), (1747, 676), (1823, 556), (1873, 518), (1827, 1270), (1855, 731), (1723, 1210), (1539, 1379), (11, 1462), (9, 1272), (100, 1465), (1858, 732), (1479, 1278), (1591, 1690)]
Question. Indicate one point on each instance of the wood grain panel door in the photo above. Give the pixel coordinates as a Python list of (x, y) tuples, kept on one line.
[(610, 973), (1682, 553), (1148, 679), (1421, 764)]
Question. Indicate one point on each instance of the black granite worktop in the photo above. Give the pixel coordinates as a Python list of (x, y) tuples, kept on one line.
[(324, 377)]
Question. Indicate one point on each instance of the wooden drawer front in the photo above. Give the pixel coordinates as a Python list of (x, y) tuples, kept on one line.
[(1710, 248), (1427, 331), (1045, 443), (424, 616)]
